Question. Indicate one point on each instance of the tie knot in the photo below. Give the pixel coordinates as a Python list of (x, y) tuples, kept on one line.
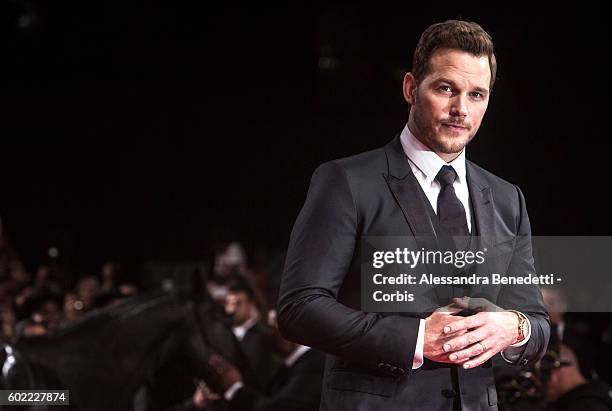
[(446, 176)]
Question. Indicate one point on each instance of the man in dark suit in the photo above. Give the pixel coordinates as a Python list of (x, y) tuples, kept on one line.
[(295, 386), (419, 185), (254, 337), (568, 390)]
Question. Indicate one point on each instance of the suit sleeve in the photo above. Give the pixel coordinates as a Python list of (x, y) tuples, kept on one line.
[(321, 249), (526, 298), (293, 396), (301, 391)]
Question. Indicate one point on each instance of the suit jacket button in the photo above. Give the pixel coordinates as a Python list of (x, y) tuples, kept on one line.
[(399, 372), (381, 365), (448, 393)]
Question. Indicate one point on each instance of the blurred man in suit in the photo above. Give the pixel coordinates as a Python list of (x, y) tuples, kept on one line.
[(296, 386), (255, 338), (569, 390)]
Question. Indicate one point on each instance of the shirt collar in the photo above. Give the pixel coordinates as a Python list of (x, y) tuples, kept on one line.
[(296, 355), (241, 330), (426, 160)]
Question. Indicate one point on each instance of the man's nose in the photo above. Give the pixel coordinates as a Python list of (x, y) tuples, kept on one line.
[(459, 106)]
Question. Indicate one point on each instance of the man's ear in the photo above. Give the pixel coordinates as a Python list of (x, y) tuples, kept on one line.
[(409, 88)]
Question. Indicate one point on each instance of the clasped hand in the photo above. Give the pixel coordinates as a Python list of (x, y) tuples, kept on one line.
[(470, 340)]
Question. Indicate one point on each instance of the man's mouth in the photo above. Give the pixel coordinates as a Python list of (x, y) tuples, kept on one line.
[(454, 127)]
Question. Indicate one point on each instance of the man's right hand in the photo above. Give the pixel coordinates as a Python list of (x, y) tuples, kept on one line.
[(434, 334)]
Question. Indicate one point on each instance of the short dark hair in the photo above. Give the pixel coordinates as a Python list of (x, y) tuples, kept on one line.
[(242, 287), (457, 35)]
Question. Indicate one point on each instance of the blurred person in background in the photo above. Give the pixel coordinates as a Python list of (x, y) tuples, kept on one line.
[(582, 332), (230, 268), (7, 320), (39, 314), (296, 385), (73, 307), (111, 288), (43, 280), (569, 390), (13, 274), (254, 337), (108, 272), (86, 289)]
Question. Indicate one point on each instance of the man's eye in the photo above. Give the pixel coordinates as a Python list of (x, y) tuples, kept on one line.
[(477, 95), (445, 89)]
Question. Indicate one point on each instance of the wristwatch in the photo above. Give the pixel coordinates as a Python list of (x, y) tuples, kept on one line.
[(522, 326)]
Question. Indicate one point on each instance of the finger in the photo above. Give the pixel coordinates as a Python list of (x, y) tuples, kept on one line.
[(492, 348), (465, 323), (465, 340), (469, 352), (449, 309), (463, 302), (480, 359)]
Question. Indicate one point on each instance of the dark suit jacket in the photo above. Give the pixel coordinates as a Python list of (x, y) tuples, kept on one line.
[(296, 388), (369, 366), (593, 396), (257, 346)]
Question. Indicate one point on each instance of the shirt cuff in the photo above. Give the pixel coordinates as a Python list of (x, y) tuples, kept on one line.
[(417, 361), (514, 351), (231, 391)]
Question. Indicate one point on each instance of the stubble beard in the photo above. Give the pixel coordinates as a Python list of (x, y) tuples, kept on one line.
[(446, 144)]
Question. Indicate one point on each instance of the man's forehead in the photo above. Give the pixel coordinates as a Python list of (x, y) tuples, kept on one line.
[(456, 65), (237, 295)]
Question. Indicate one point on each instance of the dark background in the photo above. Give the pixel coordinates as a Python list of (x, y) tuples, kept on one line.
[(139, 132)]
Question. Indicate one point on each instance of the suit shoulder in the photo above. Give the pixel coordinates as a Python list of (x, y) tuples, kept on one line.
[(507, 195), (495, 181), (358, 164)]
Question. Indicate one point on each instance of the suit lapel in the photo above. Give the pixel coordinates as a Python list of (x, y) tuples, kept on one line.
[(484, 217), (407, 193), (480, 193)]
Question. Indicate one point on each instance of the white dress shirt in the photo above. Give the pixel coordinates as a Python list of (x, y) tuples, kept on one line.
[(241, 330), (295, 355), (425, 165)]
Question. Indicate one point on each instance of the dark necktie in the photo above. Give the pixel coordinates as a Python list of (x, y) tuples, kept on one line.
[(450, 210), (452, 218)]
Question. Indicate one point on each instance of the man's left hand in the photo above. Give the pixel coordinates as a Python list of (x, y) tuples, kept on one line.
[(489, 331), (203, 396), (225, 371)]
